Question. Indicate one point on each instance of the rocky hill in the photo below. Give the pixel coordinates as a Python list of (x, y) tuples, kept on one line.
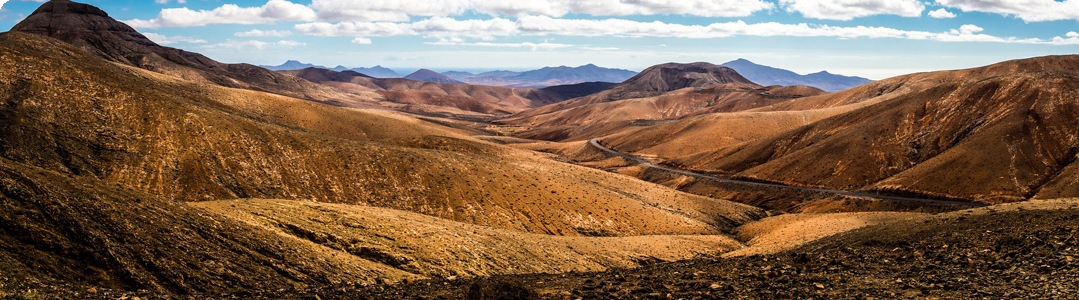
[(92, 30)]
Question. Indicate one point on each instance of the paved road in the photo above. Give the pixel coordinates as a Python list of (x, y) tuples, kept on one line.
[(595, 143)]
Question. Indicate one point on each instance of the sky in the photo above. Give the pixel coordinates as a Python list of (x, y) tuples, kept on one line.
[(870, 38)]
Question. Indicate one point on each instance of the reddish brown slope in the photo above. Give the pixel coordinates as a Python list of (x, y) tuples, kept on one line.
[(474, 98), (69, 112), (654, 81), (995, 138), (92, 30), (600, 119)]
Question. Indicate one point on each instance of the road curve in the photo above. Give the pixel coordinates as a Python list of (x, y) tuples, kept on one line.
[(595, 143)]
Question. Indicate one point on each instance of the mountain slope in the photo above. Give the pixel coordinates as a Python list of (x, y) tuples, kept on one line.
[(74, 114), (600, 119), (59, 229), (470, 98), (654, 81), (431, 76), (995, 134), (92, 30), (766, 75)]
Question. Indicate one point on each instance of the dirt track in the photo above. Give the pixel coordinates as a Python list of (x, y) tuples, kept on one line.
[(595, 143)]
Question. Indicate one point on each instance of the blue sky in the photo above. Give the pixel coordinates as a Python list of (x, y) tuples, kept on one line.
[(870, 38)]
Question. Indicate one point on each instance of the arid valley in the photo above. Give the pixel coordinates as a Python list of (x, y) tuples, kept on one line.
[(130, 169)]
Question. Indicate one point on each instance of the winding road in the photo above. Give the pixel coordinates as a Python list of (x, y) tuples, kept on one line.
[(595, 143)]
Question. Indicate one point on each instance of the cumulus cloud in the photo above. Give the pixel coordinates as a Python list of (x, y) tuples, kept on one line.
[(264, 33), (404, 10), (234, 45), (361, 41), (169, 40), (846, 10), (941, 14), (450, 30), (1027, 10), (558, 8), (274, 10)]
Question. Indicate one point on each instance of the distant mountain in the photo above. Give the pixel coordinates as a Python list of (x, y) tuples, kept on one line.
[(585, 73), (765, 75), (376, 71), (546, 77), (499, 73), (458, 74), (292, 65), (431, 76)]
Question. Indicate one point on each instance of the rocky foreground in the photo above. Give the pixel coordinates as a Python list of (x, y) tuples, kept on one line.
[(1016, 251)]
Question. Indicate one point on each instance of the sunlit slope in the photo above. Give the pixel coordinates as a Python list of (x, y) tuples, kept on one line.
[(72, 113), (1006, 136)]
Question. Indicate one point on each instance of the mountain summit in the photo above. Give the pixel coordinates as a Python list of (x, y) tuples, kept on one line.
[(659, 79), (91, 29)]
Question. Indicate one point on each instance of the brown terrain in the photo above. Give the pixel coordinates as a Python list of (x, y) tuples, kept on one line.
[(943, 135), (426, 96), (130, 170), (586, 121), (651, 82), (1013, 251), (101, 160), (1002, 133), (92, 30)]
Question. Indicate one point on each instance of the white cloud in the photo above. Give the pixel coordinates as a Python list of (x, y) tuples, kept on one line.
[(433, 27), (449, 30), (941, 14), (849, 9), (234, 45), (274, 10), (527, 45), (264, 33), (168, 40), (361, 41), (558, 8), (383, 10), (1027, 10), (404, 10)]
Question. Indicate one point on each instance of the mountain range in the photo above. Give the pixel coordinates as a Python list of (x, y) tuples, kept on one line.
[(431, 76), (130, 170), (376, 71), (419, 93), (765, 75), (545, 77)]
